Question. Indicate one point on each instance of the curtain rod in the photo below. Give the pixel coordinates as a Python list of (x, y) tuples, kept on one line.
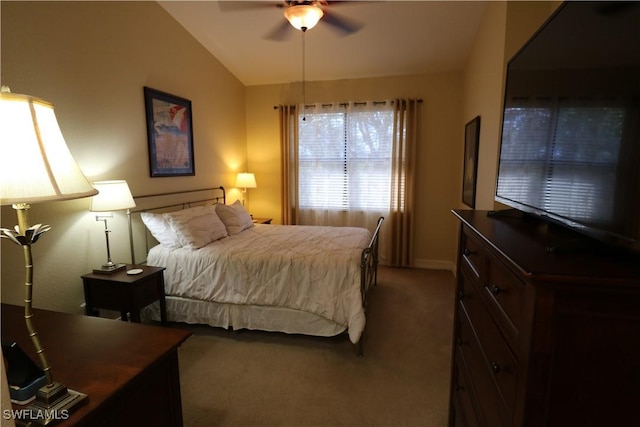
[(344, 104)]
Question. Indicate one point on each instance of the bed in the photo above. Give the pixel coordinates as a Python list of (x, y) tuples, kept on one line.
[(225, 271)]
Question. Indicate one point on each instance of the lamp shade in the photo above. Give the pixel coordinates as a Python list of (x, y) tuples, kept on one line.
[(303, 16), (246, 180), (37, 165), (113, 196)]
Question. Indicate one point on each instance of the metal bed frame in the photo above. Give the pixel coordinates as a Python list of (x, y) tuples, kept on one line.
[(369, 272), (185, 204), (368, 259)]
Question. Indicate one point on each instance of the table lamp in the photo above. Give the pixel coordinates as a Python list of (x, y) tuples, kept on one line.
[(37, 167), (113, 196), (244, 181)]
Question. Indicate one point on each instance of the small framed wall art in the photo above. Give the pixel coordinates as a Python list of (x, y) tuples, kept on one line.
[(170, 134), (470, 173)]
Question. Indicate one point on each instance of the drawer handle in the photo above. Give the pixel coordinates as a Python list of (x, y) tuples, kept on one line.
[(467, 252), (459, 341), (495, 367), (459, 387), (460, 296), (496, 290)]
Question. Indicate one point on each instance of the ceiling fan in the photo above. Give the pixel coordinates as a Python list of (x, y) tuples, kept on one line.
[(301, 15)]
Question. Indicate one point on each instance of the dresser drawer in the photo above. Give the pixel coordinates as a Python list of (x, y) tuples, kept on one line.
[(472, 256), (498, 359), (464, 411), (490, 403), (505, 295)]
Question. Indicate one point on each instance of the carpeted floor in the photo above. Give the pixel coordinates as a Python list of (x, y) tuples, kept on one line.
[(250, 378)]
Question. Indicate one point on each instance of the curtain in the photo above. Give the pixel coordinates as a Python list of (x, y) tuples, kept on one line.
[(371, 176), (289, 155), (402, 208)]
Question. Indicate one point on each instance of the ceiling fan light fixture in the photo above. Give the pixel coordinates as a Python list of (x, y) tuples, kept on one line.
[(303, 16)]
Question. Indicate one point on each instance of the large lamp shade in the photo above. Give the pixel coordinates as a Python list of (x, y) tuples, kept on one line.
[(37, 165)]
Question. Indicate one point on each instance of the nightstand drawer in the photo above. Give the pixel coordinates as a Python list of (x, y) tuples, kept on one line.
[(107, 296)]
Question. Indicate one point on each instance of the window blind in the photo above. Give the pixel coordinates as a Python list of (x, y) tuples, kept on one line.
[(344, 157)]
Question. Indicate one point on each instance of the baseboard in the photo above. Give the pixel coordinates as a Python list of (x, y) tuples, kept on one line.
[(434, 264)]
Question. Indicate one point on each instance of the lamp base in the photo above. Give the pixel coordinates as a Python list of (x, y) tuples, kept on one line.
[(53, 403), (108, 269)]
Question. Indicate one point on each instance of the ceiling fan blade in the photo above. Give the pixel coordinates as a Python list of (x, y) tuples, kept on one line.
[(344, 25), (333, 3), (234, 6), (281, 32)]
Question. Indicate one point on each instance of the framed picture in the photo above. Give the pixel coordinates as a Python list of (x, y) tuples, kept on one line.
[(471, 142), (170, 134)]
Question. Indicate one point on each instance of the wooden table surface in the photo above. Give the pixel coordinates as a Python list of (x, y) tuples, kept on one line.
[(95, 356)]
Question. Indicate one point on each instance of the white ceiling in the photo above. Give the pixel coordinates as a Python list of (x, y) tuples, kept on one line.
[(397, 38)]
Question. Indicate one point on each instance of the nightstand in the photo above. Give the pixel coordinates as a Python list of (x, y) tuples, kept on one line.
[(126, 293), (262, 220)]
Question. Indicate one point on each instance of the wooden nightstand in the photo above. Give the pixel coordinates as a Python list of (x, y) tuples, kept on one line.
[(126, 293), (262, 220)]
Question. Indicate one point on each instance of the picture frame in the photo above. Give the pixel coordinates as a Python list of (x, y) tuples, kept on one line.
[(169, 134), (470, 172)]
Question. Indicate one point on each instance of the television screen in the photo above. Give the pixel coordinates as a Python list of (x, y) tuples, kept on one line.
[(570, 148)]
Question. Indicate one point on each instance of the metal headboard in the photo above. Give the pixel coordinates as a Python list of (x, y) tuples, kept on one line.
[(145, 203)]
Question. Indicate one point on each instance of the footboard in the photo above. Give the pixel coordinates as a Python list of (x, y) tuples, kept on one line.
[(368, 272), (369, 264)]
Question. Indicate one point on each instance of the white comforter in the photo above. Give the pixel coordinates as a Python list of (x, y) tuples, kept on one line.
[(312, 269)]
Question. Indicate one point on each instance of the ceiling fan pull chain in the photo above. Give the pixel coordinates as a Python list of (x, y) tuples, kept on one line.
[(304, 91)]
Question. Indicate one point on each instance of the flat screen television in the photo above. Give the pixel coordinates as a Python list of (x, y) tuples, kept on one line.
[(570, 142)]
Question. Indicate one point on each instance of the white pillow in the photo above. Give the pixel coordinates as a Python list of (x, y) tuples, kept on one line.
[(160, 229), (235, 217), (196, 227)]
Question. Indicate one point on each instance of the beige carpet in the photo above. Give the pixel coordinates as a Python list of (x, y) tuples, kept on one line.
[(250, 378)]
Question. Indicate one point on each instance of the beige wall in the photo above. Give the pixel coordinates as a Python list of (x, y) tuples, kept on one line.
[(92, 59)]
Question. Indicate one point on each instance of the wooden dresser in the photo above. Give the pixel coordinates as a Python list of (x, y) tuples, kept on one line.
[(129, 371), (547, 327)]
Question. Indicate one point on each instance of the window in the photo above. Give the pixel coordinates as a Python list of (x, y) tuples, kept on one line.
[(347, 165), (344, 157)]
